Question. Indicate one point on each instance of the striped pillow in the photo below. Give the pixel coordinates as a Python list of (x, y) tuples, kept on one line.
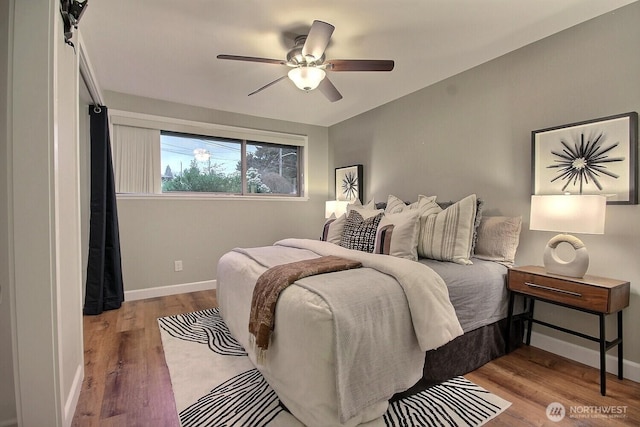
[(448, 235)]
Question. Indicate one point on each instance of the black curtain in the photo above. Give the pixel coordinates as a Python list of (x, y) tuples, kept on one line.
[(104, 288)]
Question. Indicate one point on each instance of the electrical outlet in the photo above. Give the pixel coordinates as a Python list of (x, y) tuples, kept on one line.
[(177, 265)]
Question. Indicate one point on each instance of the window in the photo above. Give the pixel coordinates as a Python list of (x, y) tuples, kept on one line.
[(196, 163), (181, 157), (200, 164)]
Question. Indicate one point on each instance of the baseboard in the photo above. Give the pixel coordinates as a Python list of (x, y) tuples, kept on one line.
[(74, 396), (9, 423), (631, 370), (162, 291)]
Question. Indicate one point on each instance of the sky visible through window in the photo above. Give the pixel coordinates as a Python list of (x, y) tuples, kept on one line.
[(178, 153)]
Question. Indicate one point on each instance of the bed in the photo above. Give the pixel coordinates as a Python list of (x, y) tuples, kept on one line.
[(411, 317)]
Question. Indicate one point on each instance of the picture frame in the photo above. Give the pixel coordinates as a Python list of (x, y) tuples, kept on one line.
[(596, 156), (349, 183)]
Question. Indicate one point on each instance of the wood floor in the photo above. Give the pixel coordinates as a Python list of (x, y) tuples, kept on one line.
[(127, 383)]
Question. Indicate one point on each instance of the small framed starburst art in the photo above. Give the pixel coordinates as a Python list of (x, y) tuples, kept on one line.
[(349, 183), (591, 157)]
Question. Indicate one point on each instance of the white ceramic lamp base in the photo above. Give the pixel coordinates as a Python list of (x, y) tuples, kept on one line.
[(553, 264)]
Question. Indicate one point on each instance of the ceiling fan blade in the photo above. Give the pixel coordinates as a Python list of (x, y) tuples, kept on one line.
[(268, 84), (329, 90), (317, 39), (252, 59), (360, 65)]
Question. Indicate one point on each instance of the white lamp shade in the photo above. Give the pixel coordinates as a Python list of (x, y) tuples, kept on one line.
[(337, 207), (568, 213), (307, 78)]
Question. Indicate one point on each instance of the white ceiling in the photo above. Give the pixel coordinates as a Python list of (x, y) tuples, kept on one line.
[(166, 49)]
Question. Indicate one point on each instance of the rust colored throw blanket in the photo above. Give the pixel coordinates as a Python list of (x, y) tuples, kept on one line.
[(275, 280)]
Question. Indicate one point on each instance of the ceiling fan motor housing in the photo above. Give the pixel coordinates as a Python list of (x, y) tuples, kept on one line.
[(295, 56)]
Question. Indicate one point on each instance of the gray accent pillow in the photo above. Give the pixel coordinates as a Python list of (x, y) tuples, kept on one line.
[(498, 238)]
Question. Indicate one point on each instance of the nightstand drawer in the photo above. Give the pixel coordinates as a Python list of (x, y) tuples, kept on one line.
[(563, 291)]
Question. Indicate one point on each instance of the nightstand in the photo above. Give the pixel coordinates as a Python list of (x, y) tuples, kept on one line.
[(591, 294)]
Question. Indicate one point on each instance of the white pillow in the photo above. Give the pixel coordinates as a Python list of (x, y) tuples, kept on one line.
[(358, 203), (397, 235), (448, 235), (332, 230), (396, 205), (427, 205), (366, 211)]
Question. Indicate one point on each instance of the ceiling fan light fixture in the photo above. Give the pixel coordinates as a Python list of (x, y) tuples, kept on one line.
[(307, 78)]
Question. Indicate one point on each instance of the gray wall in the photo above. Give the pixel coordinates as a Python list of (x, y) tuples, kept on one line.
[(155, 232), (471, 133)]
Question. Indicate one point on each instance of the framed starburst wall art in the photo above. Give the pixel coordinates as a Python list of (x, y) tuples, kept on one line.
[(349, 183), (591, 157)]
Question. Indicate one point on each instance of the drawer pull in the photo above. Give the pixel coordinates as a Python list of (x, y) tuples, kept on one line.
[(547, 288)]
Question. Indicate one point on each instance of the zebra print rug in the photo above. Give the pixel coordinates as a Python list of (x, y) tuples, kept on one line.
[(215, 384)]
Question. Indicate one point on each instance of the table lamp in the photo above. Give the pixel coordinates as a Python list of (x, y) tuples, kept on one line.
[(567, 214), (337, 207)]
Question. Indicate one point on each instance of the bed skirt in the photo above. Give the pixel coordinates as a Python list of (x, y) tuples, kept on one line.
[(466, 353)]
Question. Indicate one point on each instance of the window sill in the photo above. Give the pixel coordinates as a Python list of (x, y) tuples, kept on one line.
[(209, 196)]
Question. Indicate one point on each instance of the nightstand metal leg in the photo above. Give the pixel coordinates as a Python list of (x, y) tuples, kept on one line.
[(603, 356), (507, 340), (620, 357), (530, 319)]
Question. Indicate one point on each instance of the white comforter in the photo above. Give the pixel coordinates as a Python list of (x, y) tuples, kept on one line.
[(434, 318), (323, 377)]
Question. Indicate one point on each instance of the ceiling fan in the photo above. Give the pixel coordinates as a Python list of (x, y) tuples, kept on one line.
[(308, 66)]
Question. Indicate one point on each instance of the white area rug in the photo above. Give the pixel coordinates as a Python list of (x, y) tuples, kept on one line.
[(215, 384)]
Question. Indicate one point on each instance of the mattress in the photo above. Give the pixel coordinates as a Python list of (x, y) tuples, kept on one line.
[(478, 291)]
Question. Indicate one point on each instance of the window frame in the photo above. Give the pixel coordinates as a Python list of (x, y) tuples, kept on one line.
[(248, 135)]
